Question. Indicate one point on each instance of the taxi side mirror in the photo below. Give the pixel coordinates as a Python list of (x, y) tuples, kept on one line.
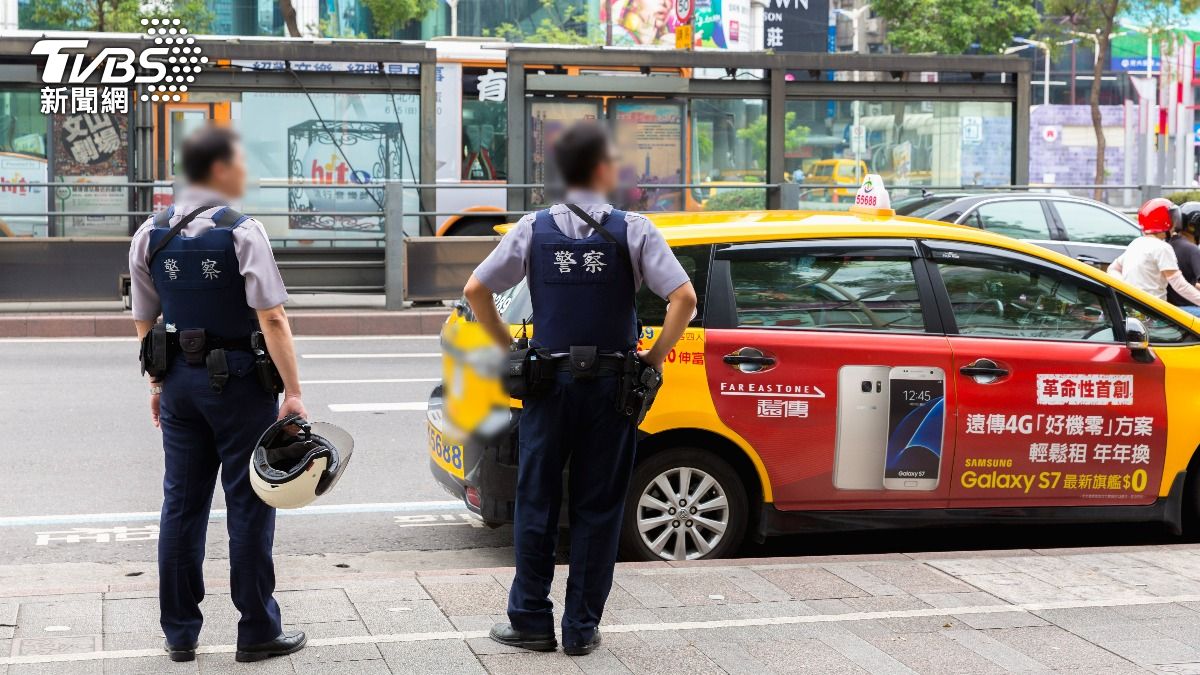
[(1137, 338)]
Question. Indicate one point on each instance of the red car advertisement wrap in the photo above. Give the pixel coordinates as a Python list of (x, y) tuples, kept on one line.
[(853, 421), (789, 412), (1073, 423)]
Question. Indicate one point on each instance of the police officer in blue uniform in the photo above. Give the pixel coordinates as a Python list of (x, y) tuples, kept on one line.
[(210, 273), (584, 262)]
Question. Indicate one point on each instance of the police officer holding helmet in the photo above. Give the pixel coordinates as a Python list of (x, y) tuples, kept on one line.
[(584, 261), (209, 271)]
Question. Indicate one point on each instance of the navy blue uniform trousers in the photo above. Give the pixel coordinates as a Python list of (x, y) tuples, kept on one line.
[(204, 431), (577, 426)]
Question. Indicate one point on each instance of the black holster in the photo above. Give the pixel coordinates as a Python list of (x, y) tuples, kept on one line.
[(218, 369), (640, 383), (264, 368), (529, 373), (154, 355)]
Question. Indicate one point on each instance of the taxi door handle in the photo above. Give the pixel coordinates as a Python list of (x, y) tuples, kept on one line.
[(985, 371), (749, 360)]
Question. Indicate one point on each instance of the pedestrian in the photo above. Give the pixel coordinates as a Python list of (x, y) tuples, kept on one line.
[(1183, 241), (209, 271), (584, 261), (1149, 262)]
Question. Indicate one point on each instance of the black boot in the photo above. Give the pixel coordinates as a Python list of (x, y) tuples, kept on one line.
[(505, 634), (585, 648), (286, 643), (180, 654)]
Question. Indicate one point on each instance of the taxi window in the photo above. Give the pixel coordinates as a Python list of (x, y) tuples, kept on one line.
[(823, 170), (1019, 219), (794, 290), (514, 304), (998, 297), (1163, 331), (653, 309)]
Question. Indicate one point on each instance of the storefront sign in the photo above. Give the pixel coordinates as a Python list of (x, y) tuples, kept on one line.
[(796, 25)]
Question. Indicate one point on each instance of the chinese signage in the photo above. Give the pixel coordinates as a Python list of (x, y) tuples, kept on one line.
[(89, 151), (796, 25), (76, 84)]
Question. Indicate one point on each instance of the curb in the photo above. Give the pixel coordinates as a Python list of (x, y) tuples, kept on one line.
[(421, 322)]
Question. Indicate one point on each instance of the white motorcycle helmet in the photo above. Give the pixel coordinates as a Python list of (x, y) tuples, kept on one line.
[(288, 470)]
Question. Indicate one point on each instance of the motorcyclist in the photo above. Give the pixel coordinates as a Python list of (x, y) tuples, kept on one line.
[(1149, 262), (1183, 241)]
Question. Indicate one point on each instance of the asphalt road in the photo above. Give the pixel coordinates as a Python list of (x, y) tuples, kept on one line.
[(83, 459), (83, 466)]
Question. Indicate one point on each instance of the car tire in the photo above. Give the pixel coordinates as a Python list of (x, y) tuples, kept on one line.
[(710, 517)]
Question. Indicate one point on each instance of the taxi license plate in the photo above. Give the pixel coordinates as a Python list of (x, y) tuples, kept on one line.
[(447, 454)]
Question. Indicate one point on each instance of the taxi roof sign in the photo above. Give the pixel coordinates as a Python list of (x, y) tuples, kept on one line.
[(872, 197)]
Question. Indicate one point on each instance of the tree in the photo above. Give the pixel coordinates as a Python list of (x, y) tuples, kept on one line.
[(288, 10), (956, 26), (756, 134), (389, 16), (561, 25), (1096, 21), (117, 16)]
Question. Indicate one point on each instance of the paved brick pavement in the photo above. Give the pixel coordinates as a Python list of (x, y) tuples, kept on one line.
[(1119, 610)]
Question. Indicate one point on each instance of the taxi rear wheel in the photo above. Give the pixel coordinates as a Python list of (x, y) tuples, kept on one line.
[(684, 504)]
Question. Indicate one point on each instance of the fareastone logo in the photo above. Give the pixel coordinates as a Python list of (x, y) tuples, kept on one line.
[(166, 68)]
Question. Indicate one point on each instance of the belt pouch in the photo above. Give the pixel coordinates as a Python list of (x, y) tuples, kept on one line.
[(154, 351), (218, 369), (585, 361), (191, 343), (529, 373)]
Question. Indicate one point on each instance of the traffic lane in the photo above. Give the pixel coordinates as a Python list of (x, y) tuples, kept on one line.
[(442, 528), (447, 527), (82, 416)]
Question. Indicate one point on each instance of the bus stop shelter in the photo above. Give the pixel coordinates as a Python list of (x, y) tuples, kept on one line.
[(808, 101), (327, 124), (342, 141)]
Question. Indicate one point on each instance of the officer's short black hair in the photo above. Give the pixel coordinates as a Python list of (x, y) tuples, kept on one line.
[(203, 148), (579, 150)]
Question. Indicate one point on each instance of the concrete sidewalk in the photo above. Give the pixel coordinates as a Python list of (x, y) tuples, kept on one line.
[(1119, 610)]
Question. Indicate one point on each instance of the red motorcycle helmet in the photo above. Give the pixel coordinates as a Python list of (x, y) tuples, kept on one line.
[(1159, 215)]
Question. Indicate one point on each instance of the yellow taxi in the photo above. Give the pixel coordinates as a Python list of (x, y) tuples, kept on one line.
[(844, 174), (863, 370)]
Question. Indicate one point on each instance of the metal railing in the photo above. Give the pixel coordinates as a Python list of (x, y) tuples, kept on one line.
[(384, 251)]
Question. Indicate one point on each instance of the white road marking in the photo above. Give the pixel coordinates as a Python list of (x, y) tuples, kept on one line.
[(848, 617), (407, 406), (391, 355), (438, 520), (220, 514), (392, 380)]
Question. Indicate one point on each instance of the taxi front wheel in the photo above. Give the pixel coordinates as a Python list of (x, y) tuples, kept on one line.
[(684, 504)]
